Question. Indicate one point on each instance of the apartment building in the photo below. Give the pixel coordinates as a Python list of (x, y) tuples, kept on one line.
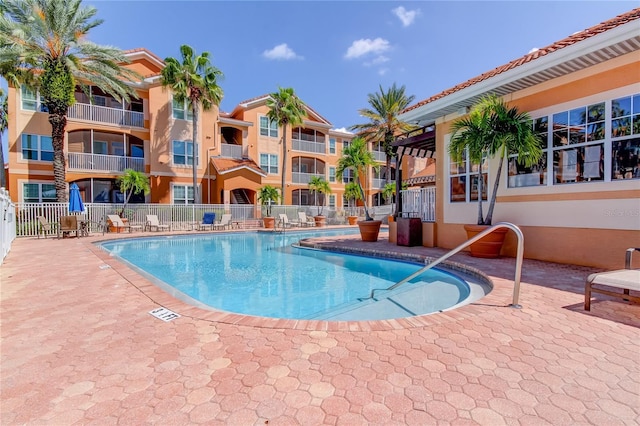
[(581, 203), (238, 152)]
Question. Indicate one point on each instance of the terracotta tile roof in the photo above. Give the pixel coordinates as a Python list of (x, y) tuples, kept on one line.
[(571, 40), (225, 165), (305, 104), (148, 52)]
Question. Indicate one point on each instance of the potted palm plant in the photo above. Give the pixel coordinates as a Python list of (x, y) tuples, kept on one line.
[(268, 195), (352, 194), (491, 129), (357, 158), (320, 186)]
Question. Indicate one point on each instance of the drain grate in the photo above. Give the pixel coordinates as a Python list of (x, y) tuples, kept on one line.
[(105, 266), (164, 314)]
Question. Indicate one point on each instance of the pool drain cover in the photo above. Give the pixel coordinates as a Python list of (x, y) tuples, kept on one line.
[(164, 314)]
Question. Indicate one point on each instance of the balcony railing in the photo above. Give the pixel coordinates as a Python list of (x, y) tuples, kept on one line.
[(307, 146), (304, 178), (230, 151), (379, 156), (379, 183), (104, 163), (102, 114)]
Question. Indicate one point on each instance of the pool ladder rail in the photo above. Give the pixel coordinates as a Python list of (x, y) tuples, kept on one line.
[(499, 225)]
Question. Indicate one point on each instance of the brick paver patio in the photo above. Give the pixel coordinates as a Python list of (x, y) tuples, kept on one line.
[(78, 346)]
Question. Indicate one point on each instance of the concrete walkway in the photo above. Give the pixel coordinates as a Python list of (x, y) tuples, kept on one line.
[(78, 346)]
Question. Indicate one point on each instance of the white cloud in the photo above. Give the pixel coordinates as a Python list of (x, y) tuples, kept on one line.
[(364, 46), (406, 16), (383, 71), (377, 61), (281, 52), (342, 130)]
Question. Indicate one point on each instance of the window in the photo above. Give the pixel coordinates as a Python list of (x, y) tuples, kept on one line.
[(182, 153), (39, 193), (347, 176), (31, 100), (332, 145), (183, 194), (181, 111), (332, 174), (536, 175), (268, 128), (464, 180), (345, 144), (332, 201), (625, 131), (100, 147), (269, 163), (36, 147)]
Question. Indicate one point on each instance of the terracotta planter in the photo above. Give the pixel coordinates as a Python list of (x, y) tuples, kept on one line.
[(320, 221), (369, 230), (489, 246), (352, 220), (269, 222)]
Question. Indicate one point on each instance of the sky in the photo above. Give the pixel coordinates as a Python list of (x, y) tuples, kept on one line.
[(335, 53)]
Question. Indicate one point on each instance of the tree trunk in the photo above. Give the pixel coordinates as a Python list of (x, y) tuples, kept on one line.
[(364, 200), (495, 192), (58, 125), (284, 164), (480, 185), (388, 165), (196, 119)]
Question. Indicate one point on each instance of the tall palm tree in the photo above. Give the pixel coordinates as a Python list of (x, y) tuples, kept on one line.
[(357, 158), (195, 81), (493, 128), (45, 42), (384, 125), (3, 126), (133, 182), (285, 108)]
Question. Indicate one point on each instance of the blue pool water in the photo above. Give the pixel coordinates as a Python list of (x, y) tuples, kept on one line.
[(261, 274)]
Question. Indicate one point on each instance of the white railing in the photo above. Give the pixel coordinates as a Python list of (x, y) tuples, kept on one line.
[(230, 151), (107, 163), (102, 114), (305, 178), (380, 183), (307, 146), (7, 223), (183, 217), (379, 156), (420, 203)]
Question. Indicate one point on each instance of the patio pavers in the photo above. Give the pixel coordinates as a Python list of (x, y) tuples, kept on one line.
[(79, 347)]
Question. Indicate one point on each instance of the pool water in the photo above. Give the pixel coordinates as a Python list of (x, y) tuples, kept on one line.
[(261, 274)]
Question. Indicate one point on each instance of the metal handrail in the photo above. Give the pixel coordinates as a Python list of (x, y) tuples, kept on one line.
[(519, 256)]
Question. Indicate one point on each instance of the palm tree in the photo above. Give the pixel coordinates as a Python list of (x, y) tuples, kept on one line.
[(285, 108), (351, 192), (3, 126), (318, 185), (194, 81), (267, 195), (133, 182), (385, 124), (45, 42), (493, 128), (357, 158)]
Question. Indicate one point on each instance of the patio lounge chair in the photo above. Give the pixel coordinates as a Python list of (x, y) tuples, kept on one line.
[(116, 222), (44, 226), (625, 279), (225, 222), (68, 224), (153, 224), (285, 222), (208, 219), (304, 220)]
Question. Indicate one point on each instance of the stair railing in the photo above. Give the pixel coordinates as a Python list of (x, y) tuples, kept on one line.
[(519, 257)]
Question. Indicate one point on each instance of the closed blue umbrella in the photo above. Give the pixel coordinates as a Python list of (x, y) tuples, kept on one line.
[(75, 201)]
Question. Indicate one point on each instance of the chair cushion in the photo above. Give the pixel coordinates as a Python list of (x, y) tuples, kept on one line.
[(621, 278)]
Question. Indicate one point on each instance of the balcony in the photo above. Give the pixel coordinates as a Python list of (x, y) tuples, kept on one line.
[(304, 178), (228, 150), (100, 114), (103, 163), (379, 183), (379, 156), (309, 146)]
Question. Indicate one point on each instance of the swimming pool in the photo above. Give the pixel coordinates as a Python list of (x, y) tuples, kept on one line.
[(261, 274)]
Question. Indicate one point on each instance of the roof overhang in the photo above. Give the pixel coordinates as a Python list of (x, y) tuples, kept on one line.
[(226, 120), (594, 50), (419, 143)]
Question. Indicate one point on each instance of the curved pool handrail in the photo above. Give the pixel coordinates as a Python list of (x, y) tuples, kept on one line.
[(519, 257)]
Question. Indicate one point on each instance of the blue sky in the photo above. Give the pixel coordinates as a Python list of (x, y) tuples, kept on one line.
[(334, 53)]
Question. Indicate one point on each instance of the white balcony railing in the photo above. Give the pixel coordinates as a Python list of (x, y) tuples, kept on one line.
[(379, 183), (306, 146), (104, 163), (379, 156), (230, 151), (102, 114), (304, 178)]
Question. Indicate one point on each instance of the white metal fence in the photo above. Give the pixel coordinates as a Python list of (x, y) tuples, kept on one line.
[(7, 224), (420, 203)]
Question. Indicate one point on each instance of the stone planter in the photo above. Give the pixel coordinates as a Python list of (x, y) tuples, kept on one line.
[(488, 247), (369, 230)]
